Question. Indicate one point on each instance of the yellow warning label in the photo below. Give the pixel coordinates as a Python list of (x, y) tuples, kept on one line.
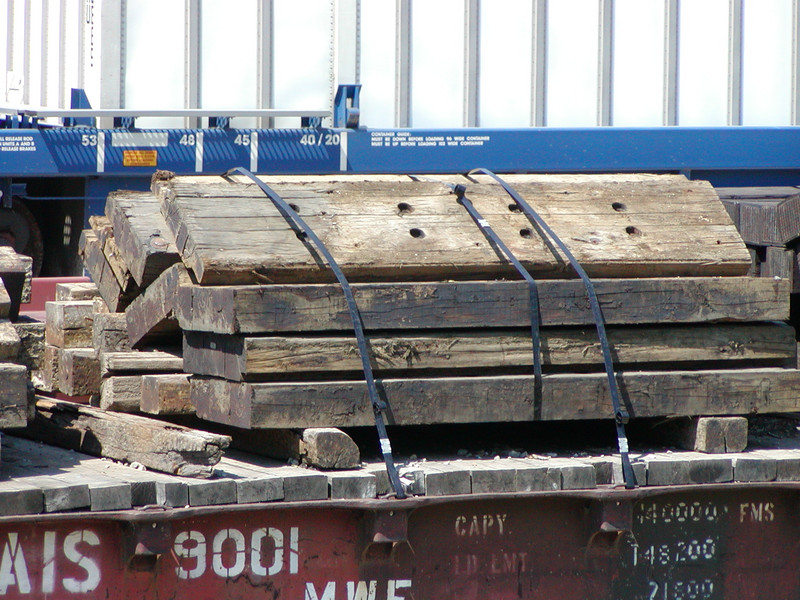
[(139, 158)]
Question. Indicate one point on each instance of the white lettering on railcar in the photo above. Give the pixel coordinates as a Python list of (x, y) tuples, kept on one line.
[(403, 139), (757, 512), (15, 571), (357, 590), (657, 513), (496, 563), (229, 552), (691, 551), (481, 525), (73, 554), (693, 589), (13, 568), (17, 143)]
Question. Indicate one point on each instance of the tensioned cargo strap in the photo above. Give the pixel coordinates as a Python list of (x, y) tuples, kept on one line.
[(300, 227), (621, 415), (533, 293)]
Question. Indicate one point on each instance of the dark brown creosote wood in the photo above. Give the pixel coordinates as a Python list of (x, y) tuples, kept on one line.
[(497, 399), (321, 307), (151, 316), (238, 357)]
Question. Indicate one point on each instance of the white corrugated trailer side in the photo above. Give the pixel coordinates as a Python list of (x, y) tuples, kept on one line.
[(449, 63)]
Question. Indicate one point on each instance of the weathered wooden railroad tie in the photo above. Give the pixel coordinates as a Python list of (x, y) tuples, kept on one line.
[(231, 313)]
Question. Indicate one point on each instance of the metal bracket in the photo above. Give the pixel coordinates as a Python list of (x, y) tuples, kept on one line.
[(346, 106), (124, 122), (145, 542), (219, 122), (384, 536)]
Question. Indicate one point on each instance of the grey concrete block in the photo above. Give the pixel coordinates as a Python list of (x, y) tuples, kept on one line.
[(301, 484), (492, 476), (535, 476), (109, 495), (787, 463), (61, 495), (413, 480), (687, 469), (18, 498), (378, 471), (260, 489), (206, 492), (443, 479), (577, 476), (351, 484), (711, 435), (751, 468)]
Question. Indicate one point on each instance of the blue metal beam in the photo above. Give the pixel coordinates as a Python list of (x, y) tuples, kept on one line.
[(725, 155)]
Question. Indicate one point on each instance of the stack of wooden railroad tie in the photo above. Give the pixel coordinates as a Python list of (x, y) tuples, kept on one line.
[(768, 220), (267, 342)]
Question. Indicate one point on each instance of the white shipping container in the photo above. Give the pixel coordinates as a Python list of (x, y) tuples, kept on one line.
[(442, 63)]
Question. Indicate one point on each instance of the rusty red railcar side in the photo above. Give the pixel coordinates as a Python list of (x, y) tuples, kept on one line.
[(682, 543)]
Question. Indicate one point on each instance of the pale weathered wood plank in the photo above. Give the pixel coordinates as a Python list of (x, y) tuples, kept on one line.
[(166, 394), (5, 302), (91, 251), (16, 271), (320, 447), (615, 229), (140, 361), (110, 333), (68, 324), (121, 393), (161, 446), (9, 342), (288, 308), (105, 235), (83, 290), (31, 343), (50, 369), (141, 234), (79, 371), (497, 399)]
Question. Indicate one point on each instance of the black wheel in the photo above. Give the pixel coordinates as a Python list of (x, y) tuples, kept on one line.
[(19, 229)]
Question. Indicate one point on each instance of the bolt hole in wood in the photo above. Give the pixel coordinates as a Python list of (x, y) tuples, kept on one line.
[(526, 233), (417, 233), (404, 208), (301, 235), (631, 230), (514, 208), (618, 206), (294, 207)]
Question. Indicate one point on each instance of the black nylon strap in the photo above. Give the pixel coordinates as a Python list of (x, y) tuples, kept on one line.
[(378, 406), (486, 229), (620, 414)]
